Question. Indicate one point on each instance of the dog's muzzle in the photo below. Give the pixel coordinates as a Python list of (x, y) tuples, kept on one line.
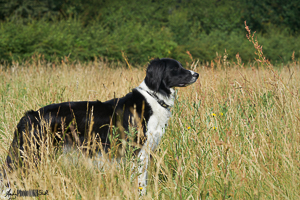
[(195, 76)]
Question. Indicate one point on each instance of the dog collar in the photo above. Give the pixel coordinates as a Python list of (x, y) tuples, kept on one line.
[(159, 101)]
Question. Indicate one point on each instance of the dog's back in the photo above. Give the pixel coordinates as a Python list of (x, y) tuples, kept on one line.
[(77, 123)]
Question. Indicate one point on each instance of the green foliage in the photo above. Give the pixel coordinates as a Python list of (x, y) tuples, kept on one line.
[(14, 9), (70, 38), (83, 30), (261, 14)]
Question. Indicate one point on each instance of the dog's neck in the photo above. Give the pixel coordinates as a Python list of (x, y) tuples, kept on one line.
[(164, 101)]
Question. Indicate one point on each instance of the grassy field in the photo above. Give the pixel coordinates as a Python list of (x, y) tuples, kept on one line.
[(234, 134)]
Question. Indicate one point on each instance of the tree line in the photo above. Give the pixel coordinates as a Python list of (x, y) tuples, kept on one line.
[(142, 29)]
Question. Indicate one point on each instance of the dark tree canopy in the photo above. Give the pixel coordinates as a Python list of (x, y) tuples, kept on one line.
[(84, 29)]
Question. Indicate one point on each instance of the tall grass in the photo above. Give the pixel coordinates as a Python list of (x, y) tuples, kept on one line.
[(234, 134)]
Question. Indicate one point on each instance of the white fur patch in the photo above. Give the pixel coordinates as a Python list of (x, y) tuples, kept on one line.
[(194, 78), (155, 130)]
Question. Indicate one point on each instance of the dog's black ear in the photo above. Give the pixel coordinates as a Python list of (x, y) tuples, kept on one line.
[(154, 74)]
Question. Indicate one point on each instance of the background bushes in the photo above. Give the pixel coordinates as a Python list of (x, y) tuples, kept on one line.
[(83, 30)]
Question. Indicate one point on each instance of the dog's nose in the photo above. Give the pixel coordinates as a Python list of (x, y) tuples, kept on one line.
[(196, 75)]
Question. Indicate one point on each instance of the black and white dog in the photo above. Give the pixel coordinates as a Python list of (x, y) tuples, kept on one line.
[(76, 124)]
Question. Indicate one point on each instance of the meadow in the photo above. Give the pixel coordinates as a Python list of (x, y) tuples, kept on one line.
[(234, 134)]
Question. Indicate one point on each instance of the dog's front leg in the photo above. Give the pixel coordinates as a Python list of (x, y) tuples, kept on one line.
[(153, 139), (144, 158)]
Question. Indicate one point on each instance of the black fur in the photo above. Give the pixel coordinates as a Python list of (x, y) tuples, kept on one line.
[(84, 117), (163, 74), (76, 123)]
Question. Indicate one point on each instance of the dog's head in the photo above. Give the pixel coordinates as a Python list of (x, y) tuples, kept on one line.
[(163, 74)]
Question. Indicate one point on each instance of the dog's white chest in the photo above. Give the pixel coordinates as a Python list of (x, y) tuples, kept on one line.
[(158, 121), (156, 126)]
